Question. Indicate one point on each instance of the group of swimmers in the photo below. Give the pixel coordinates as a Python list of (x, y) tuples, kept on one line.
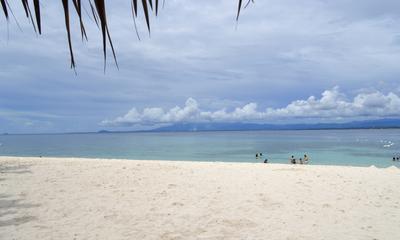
[(292, 160), (396, 158), (260, 156), (304, 160)]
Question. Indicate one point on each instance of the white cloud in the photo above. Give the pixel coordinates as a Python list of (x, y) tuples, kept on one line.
[(158, 115), (331, 105), (280, 51)]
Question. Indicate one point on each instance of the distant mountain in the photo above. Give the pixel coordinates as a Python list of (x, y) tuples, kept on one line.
[(104, 131), (193, 127)]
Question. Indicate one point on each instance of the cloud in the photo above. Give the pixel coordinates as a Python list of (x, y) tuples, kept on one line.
[(266, 59), (331, 105), (157, 115), (334, 104)]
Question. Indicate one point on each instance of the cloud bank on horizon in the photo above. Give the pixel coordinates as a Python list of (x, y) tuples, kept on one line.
[(332, 105)]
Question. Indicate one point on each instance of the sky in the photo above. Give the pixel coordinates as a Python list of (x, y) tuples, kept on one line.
[(284, 61)]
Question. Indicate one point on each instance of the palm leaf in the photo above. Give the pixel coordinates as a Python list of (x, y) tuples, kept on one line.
[(135, 6), (101, 12), (146, 13), (36, 5), (78, 8), (98, 10), (4, 6), (28, 13), (238, 11), (66, 15), (25, 4), (95, 17), (134, 18)]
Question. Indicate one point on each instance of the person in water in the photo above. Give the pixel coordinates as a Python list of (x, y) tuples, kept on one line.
[(292, 160), (266, 160), (305, 159), (394, 159), (256, 155)]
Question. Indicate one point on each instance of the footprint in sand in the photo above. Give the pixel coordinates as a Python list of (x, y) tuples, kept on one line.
[(171, 236), (110, 216), (171, 185), (239, 223), (326, 205), (163, 193), (178, 204)]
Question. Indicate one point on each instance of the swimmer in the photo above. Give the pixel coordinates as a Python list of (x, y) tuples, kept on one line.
[(292, 160)]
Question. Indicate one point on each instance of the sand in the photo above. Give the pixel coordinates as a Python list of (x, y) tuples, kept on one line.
[(56, 198)]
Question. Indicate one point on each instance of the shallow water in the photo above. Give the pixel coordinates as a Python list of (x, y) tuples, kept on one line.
[(326, 147)]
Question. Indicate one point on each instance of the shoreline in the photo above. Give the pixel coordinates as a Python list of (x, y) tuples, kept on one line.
[(192, 161), (84, 198)]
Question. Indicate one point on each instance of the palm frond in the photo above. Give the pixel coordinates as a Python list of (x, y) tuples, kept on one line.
[(135, 6), (95, 17), (66, 14), (28, 13), (4, 6), (239, 8), (146, 13), (101, 12), (98, 10), (78, 8)]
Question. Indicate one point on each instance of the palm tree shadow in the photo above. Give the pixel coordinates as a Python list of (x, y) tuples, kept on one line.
[(11, 206), (16, 221), (15, 169)]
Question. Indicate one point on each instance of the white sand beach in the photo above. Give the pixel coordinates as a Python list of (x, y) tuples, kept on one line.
[(56, 198)]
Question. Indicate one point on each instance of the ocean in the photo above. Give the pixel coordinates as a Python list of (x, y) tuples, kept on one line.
[(324, 147)]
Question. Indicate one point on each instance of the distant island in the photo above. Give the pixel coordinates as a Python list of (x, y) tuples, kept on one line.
[(201, 127)]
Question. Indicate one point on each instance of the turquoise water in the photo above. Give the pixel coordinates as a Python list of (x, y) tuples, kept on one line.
[(326, 147)]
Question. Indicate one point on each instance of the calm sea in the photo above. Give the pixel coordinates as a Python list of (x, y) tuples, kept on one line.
[(332, 147)]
